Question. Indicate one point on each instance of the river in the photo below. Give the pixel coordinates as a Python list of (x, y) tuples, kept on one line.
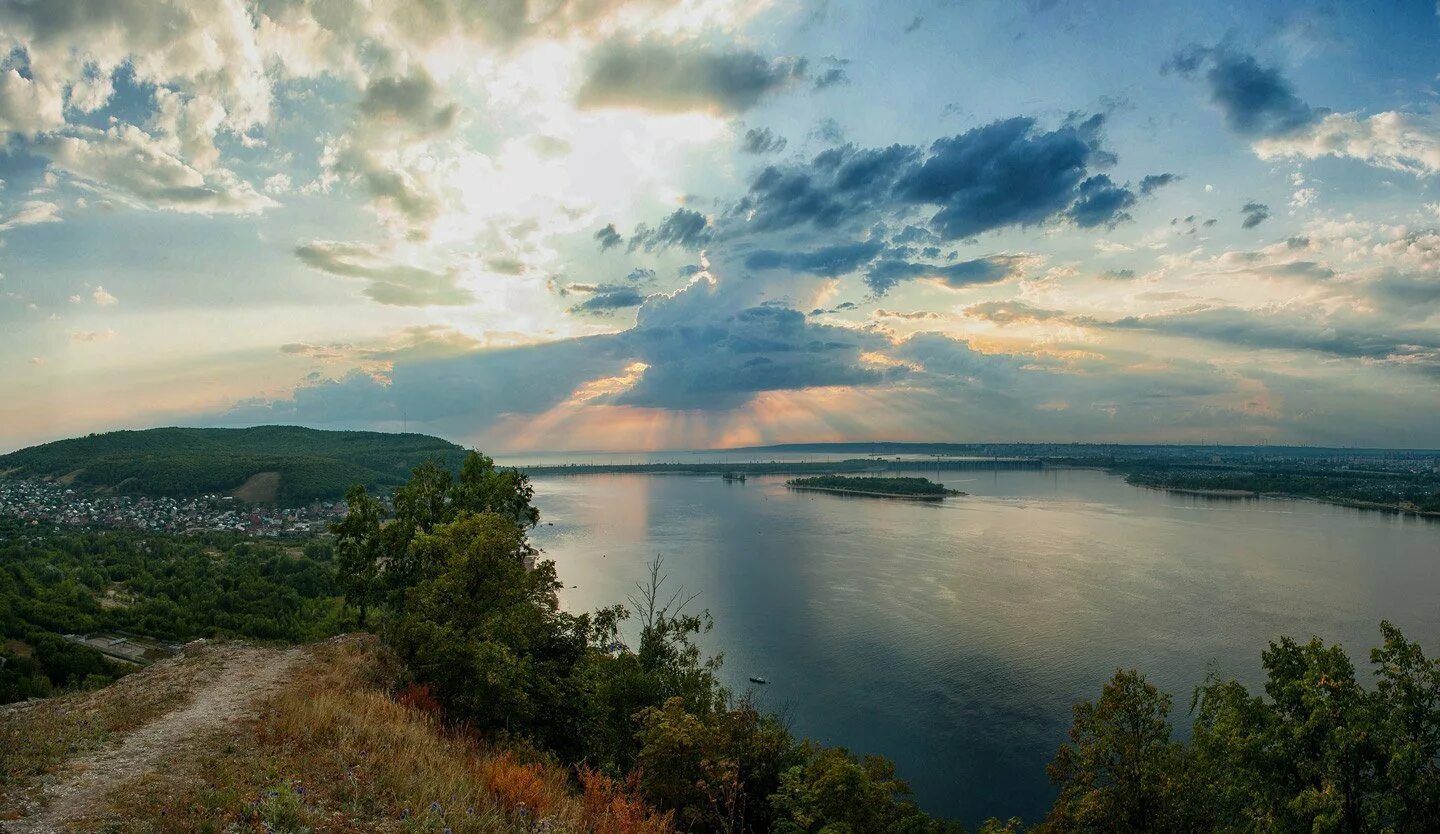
[(954, 637)]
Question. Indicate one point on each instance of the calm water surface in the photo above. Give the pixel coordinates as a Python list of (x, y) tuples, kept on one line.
[(954, 638)]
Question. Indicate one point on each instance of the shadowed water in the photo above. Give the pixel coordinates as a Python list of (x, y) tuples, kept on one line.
[(953, 638)]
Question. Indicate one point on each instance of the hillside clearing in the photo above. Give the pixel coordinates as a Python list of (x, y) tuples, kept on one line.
[(259, 488)]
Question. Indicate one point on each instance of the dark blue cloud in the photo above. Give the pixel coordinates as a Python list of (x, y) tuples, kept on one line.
[(761, 140), (1006, 173), (700, 357), (1255, 214), (828, 261), (1151, 183), (1101, 203), (608, 237), (608, 298), (684, 228), (1256, 101), (888, 272)]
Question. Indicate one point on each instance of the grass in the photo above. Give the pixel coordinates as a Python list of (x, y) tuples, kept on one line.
[(35, 737), (337, 749)]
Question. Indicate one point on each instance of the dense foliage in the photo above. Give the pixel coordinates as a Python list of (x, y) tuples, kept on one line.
[(887, 486), (179, 462), (171, 588)]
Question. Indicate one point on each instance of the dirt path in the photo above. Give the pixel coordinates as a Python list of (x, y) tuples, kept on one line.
[(246, 673)]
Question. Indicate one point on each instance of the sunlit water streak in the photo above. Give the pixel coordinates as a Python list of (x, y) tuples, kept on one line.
[(954, 638)]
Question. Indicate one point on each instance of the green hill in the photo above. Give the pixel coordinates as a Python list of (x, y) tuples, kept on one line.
[(285, 464)]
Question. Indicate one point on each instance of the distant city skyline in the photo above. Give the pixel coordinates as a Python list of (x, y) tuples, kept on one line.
[(678, 224)]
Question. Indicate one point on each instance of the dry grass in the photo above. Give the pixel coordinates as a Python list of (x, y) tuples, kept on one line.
[(335, 751), (35, 737)]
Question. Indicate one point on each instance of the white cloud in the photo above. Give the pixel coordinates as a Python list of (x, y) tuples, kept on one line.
[(103, 298), (130, 165), (28, 106), (91, 93), (278, 184), (31, 213), (1398, 141)]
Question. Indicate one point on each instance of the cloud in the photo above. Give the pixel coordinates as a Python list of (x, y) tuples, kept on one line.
[(387, 281), (1255, 214), (828, 261), (886, 273), (913, 315), (1101, 203), (28, 106), (1255, 101), (683, 228), (397, 118), (1010, 312), (701, 355), (416, 341), (1397, 141), (1151, 183), (608, 237), (1366, 338), (1007, 173), (1118, 275), (606, 298), (31, 213), (1260, 104), (128, 164), (761, 140), (103, 298), (833, 75), (698, 352), (675, 77), (412, 104)]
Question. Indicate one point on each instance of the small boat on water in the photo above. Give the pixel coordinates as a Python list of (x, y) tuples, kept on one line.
[(758, 679)]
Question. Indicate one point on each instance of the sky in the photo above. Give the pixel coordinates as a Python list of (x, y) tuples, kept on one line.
[(660, 224)]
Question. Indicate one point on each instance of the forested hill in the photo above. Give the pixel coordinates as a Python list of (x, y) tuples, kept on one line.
[(286, 464)]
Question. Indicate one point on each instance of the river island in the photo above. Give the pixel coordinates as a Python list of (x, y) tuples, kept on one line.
[(912, 489)]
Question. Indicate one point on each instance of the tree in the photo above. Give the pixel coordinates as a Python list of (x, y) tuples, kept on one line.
[(834, 792), (489, 635), (1117, 773), (359, 550), (1307, 759), (1407, 711), (716, 769)]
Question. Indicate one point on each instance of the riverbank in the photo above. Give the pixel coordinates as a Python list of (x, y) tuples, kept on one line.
[(1376, 506)]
